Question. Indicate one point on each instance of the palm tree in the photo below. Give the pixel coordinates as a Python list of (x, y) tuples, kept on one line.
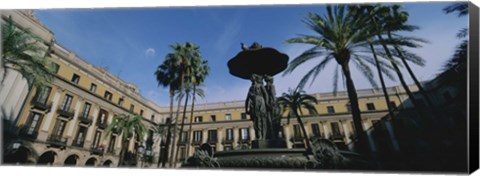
[(455, 69), (341, 35), (22, 52), (396, 21), (292, 103), (167, 76), (459, 58), (127, 126), (184, 55), (200, 72), (379, 19), (378, 64)]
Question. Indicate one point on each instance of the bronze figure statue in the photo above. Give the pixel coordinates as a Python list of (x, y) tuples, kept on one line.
[(255, 106)]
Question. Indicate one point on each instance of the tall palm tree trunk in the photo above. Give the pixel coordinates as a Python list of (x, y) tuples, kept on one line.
[(182, 124), (169, 134), (122, 152), (382, 81), (304, 131), (410, 72), (176, 121), (400, 76), (357, 119), (191, 118)]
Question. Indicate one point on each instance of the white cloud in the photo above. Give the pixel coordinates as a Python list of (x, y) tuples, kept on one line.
[(226, 38), (150, 52)]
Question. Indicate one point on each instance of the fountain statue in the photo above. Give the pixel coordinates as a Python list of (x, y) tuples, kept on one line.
[(269, 150)]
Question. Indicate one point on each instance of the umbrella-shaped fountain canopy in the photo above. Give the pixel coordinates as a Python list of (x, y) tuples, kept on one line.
[(257, 60)]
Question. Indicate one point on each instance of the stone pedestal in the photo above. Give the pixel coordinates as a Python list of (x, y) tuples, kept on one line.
[(263, 144)]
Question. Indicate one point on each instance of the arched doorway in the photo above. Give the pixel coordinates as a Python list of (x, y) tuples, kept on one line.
[(46, 158), (71, 160), (19, 156), (108, 163), (91, 162)]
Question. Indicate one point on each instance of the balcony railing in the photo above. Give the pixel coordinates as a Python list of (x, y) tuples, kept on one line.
[(24, 133), (182, 142), (96, 151), (102, 125), (65, 112), (85, 119), (57, 141), (227, 141), (78, 144), (115, 130), (296, 139), (196, 142), (212, 140), (111, 152), (43, 106), (335, 137), (244, 141)]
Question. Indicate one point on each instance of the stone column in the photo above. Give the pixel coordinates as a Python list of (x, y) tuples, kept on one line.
[(204, 135), (326, 133), (118, 145), (110, 119), (235, 136), (220, 138), (73, 122), (365, 124), (131, 143), (252, 134), (48, 121), (90, 132), (345, 131), (287, 135)]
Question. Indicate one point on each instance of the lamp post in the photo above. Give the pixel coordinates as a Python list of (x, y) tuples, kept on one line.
[(140, 151), (148, 153)]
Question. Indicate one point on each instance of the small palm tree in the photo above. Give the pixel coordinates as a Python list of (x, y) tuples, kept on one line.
[(129, 127), (21, 51), (293, 102)]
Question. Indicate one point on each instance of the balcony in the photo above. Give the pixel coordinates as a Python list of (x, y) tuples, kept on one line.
[(111, 151), (65, 112), (96, 151), (116, 130), (42, 106), (85, 119), (212, 140), (337, 137), (78, 144), (244, 141), (102, 125), (30, 136), (197, 142), (297, 139), (227, 141), (182, 142), (57, 141)]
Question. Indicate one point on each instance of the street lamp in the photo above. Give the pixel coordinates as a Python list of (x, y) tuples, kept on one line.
[(140, 150), (149, 153)]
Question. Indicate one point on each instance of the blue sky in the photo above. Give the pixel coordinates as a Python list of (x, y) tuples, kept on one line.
[(132, 42)]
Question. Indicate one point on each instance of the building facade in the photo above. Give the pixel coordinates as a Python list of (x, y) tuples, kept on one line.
[(64, 123)]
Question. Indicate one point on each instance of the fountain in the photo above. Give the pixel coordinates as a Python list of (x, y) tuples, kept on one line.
[(269, 151)]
